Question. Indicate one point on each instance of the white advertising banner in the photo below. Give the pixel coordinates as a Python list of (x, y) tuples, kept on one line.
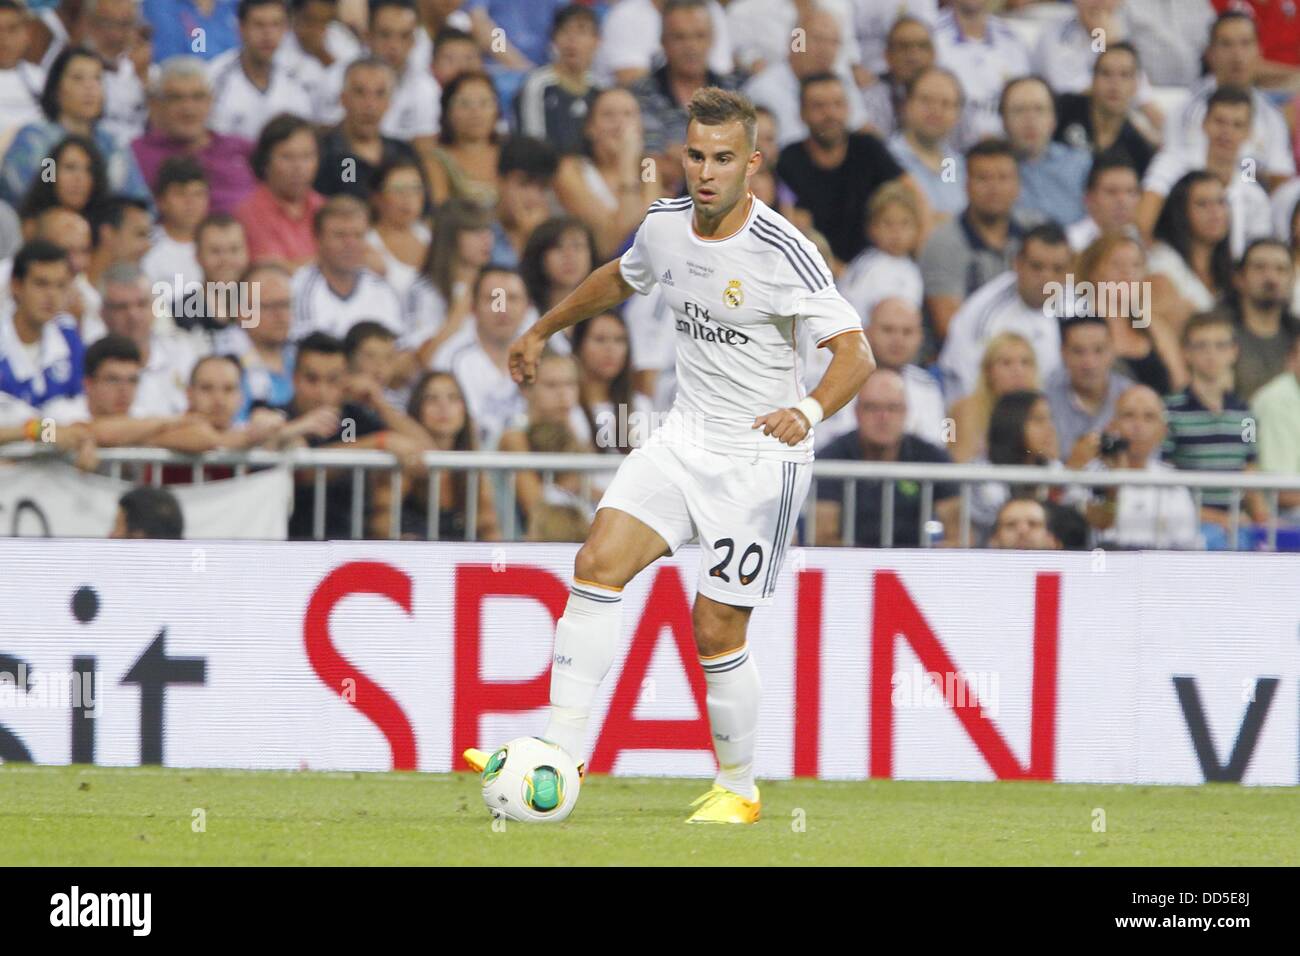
[(1109, 668), (54, 499)]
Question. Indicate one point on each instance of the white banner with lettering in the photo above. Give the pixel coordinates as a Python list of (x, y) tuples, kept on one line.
[(52, 499)]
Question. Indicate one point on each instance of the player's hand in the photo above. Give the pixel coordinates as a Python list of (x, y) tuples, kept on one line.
[(524, 353), (785, 424)]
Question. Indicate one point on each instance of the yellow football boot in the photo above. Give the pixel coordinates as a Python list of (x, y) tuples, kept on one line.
[(720, 805), (477, 759)]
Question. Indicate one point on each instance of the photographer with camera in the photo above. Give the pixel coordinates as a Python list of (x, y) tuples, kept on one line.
[(1135, 516)]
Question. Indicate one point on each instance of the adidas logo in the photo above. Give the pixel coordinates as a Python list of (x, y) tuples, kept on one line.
[(667, 277)]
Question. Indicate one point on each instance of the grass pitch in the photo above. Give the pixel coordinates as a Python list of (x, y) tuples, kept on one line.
[(111, 817)]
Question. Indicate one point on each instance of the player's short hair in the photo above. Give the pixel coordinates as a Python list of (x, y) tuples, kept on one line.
[(341, 206), (1106, 161), (33, 251), (1230, 96), (362, 332), (714, 106), (110, 348), (993, 147), (221, 356), (153, 512)]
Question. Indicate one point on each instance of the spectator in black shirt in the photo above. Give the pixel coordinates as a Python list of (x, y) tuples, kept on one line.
[(834, 172), (881, 408), (1099, 119), (352, 151)]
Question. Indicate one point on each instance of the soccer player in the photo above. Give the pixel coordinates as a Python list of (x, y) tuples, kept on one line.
[(738, 279)]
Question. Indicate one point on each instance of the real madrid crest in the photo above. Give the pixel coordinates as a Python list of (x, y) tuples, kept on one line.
[(733, 295)]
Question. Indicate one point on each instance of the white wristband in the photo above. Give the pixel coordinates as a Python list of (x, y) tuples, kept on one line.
[(811, 409)]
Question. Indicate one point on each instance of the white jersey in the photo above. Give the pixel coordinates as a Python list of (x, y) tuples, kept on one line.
[(416, 107), (318, 308), (983, 66), (241, 109), (20, 96), (737, 305)]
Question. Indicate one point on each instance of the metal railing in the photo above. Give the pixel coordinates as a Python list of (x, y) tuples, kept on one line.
[(507, 465)]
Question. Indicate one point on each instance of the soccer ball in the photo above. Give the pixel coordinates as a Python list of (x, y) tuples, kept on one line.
[(530, 780)]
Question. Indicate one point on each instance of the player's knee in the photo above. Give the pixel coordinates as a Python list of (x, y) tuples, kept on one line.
[(596, 561), (718, 628)]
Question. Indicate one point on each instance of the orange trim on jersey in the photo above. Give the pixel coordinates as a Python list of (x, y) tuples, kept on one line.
[(822, 343), (595, 584), (753, 204), (714, 657)]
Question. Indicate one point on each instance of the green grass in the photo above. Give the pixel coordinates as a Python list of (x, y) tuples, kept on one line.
[(109, 816)]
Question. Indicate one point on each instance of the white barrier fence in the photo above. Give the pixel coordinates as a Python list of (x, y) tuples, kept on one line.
[(1127, 667)]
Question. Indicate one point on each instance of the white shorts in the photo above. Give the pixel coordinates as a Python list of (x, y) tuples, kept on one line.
[(743, 509)]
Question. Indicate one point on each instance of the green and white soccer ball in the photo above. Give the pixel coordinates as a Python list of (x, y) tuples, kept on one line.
[(530, 780)]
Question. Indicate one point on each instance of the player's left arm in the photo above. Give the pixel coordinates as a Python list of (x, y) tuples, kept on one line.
[(851, 364)]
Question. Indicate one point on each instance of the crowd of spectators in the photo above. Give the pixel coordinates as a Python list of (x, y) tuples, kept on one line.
[(1071, 230)]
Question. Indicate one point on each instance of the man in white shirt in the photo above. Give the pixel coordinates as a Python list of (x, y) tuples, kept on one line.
[(629, 41), (248, 87), (1137, 516), (166, 359), (337, 291), (984, 53), (21, 82), (477, 355), (1018, 301), (777, 87), (1233, 57), (414, 111), (1226, 127)]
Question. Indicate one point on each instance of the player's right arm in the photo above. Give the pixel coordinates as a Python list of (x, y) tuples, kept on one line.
[(599, 292)]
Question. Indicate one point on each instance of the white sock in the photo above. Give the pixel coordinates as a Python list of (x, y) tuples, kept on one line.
[(733, 694), (586, 638)]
